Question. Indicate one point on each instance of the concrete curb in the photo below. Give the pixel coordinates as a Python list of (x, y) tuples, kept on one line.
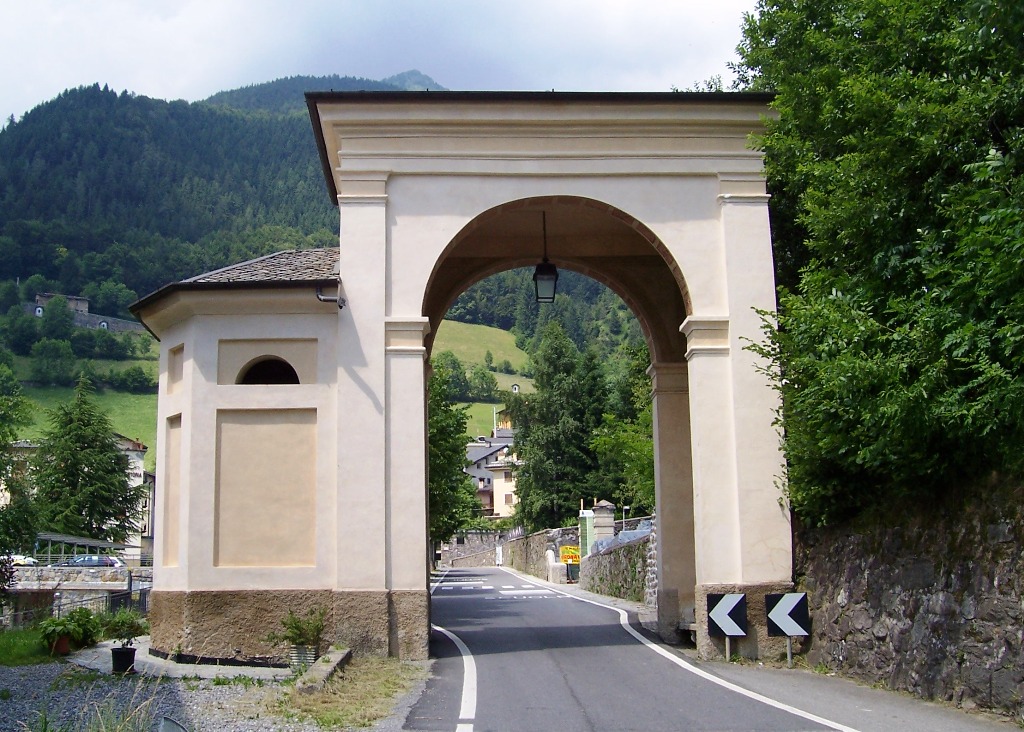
[(316, 676)]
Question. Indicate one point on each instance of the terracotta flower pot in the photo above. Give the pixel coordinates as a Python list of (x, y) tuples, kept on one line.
[(61, 646)]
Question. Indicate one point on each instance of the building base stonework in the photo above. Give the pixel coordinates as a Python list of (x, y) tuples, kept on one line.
[(756, 643), (232, 626)]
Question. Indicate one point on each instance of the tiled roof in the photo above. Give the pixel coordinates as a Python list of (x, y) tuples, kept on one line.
[(296, 265)]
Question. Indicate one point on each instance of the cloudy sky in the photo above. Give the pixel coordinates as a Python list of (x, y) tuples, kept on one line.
[(190, 49)]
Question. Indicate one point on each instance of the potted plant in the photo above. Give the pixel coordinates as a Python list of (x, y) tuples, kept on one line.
[(303, 634), (78, 629), (125, 626), (57, 634)]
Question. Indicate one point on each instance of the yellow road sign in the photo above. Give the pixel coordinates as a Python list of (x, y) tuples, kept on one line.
[(569, 554)]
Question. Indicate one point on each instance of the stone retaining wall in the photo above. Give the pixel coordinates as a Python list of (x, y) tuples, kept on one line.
[(619, 571), (529, 553), (932, 607)]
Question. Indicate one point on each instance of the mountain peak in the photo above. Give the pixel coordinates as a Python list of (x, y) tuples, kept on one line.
[(413, 80)]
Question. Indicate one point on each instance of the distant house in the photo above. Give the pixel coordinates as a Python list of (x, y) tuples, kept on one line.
[(81, 317), (492, 463)]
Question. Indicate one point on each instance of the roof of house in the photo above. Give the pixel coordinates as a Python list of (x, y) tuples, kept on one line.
[(288, 268), (477, 451), (295, 265)]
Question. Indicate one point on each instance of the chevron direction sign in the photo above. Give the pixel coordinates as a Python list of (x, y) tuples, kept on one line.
[(727, 615), (787, 614)]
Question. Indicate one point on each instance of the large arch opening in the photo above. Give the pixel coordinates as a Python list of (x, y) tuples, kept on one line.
[(583, 235), (616, 249)]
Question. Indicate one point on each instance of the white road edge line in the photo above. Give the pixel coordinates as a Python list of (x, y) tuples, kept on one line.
[(467, 711), (624, 622)]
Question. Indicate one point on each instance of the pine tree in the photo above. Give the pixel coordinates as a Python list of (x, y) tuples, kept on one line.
[(553, 429), (81, 476)]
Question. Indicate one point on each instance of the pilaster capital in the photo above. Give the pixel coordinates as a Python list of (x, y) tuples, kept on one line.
[(362, 187), (669, 378), (749, 199), (706, 335), (405, 335)]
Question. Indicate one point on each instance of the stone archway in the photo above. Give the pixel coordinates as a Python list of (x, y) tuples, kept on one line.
[(656, 195), (612, 247)]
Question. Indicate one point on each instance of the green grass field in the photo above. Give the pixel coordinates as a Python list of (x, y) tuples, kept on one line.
[(132, 415), (471, 342), (480, 418)]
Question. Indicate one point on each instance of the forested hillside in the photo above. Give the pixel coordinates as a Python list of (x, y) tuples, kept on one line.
[(100, 187), (111, 195)]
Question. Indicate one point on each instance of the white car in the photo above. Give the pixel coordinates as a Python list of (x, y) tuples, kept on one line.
[(20, 560)]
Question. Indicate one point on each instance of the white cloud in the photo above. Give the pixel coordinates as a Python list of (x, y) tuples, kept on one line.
[(193, 48)]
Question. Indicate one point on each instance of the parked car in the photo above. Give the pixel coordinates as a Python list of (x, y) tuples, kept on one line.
[(21, 560), (92, 560)]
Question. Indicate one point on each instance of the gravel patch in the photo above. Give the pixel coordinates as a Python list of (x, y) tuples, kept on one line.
[(68, 694)]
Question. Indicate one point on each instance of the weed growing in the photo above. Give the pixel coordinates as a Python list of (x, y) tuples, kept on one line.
[(365, 691), (241, 680)]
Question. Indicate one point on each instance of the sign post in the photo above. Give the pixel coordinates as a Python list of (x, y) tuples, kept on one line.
[(788, 616), (727, 617)]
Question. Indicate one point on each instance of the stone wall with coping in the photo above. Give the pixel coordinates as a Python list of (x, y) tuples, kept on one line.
[(933, 607), (55, 578), (529, 553), (619, 571)]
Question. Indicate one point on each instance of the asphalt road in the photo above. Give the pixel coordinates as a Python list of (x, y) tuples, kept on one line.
[(514, 653)]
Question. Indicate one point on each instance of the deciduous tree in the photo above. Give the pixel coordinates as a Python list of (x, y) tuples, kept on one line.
[(453, 501), (896, 168), (17, 517)]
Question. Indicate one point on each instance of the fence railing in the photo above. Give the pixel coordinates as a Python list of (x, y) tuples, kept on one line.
[(59, 605), (54, 559)]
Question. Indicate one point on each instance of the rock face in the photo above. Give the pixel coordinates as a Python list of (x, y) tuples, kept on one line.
[(932, 607)]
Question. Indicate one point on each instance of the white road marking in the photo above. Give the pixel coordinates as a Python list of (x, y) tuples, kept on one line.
[(525, 592), (624, 622), (435, 585), (467, 710)]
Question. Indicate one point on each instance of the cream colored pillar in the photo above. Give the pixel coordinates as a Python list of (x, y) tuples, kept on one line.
[(405, 409), (765, 538), (361, 607), (742, 532), (673, 481)]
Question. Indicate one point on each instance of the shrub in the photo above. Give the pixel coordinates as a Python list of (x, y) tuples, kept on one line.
[(125, 626), (301, 631)]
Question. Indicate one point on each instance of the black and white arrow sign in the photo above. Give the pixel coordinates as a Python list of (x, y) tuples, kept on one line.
[(727, 615), (787, 614)]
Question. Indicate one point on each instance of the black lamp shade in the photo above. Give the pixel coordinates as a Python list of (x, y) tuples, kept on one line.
[(545, 280)]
